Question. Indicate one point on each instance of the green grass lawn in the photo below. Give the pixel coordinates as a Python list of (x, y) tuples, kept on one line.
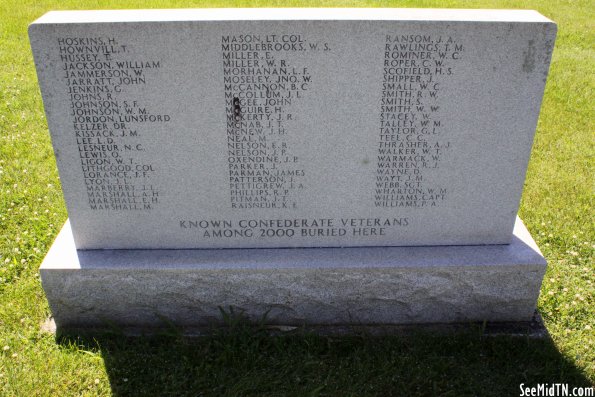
[(557, 207)]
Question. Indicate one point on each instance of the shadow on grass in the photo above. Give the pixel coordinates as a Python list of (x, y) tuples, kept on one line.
[(245, 360)]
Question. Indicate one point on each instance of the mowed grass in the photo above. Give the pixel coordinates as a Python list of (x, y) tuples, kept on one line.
[(557, 207)]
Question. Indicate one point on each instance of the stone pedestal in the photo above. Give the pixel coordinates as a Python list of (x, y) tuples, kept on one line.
[(312, 286)]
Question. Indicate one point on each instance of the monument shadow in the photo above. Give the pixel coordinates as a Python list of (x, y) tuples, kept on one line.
[(248, 359)]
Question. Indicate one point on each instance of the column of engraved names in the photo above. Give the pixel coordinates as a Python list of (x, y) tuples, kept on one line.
[(99, 75), (411, 142), (261, 85)]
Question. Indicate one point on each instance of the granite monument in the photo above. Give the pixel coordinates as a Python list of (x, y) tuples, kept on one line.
[(372, 160)]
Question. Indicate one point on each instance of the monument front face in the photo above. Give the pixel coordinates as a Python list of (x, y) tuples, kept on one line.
[(200, 130)]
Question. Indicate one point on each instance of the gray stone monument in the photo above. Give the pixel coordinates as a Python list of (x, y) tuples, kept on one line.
[(327, 166)]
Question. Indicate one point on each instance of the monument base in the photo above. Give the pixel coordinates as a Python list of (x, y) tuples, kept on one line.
[(299, 286)]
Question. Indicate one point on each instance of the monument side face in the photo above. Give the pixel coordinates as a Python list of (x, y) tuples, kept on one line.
[(201, 132)]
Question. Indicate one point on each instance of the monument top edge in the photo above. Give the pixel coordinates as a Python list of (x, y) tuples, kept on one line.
[(292, 14)]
